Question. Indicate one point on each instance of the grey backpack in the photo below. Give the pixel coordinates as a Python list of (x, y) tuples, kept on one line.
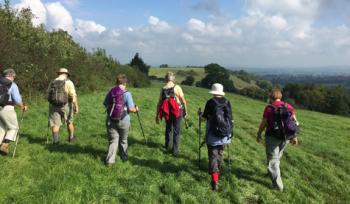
[(57, 94)]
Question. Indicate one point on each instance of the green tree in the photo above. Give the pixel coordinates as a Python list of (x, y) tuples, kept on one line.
[(188, 81), (138, 63), (217, 74)]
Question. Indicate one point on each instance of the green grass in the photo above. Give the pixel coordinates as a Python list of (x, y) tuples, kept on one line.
[(182, 73), (317, 171)]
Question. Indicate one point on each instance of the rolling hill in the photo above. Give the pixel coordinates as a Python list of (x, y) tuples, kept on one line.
[(197, 73), (316, 171)]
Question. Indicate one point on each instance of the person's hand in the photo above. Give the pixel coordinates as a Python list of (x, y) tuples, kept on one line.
[(157, 120), (24, 108), (186, 114), (75, 109), (200, 113), (294, 141), (258, 137), (136, 109)]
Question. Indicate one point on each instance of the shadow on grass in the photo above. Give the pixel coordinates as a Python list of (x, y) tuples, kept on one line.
[(167, 167), (253, 176), (150, 144), (66, 147)]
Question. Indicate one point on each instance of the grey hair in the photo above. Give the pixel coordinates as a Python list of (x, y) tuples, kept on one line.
[(169, 76), (9, 73)]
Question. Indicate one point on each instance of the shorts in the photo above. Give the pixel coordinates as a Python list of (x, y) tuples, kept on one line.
[(59, 113)]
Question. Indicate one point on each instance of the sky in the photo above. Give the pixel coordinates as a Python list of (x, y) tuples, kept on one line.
[(232, 33)]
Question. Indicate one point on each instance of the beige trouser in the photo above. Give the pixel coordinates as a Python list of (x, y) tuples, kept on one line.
[(59, 113), (8, 123)]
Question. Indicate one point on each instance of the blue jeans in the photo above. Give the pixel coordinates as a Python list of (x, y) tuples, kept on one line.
[(172, 134)]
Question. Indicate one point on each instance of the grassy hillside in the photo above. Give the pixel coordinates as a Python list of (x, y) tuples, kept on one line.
[(317, 171), (197, 73)]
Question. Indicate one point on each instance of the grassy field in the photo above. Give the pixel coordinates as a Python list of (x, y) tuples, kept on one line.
[(317, 171), (197, 73)]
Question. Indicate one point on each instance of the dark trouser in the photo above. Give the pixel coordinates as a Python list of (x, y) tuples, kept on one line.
[(215, 157), (172, 134)]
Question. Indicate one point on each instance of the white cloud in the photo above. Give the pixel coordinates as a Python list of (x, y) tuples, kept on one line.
[(196, 25), (83, 27), (37, 8), (269, 33), (59, 17), (158, 25)]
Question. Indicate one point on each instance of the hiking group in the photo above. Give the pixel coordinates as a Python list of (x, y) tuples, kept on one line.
[(279, 121)]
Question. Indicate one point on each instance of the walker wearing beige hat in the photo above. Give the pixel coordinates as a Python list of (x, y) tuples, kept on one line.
[(63, 103), (63, 71), (218, 114)]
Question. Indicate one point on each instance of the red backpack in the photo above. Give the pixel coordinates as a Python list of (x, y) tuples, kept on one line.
[(169, 106)]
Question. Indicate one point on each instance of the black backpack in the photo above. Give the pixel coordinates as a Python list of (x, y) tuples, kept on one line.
[(57, 94), (4, 91), (284, 127), (221, 120), (168, 93)]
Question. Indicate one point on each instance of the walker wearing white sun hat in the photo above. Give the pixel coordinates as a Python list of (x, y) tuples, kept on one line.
[(217, 89)]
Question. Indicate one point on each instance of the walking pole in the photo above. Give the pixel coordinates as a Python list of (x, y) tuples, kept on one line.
[(17, 135), (48, 125), (138, 116), (199, 137)]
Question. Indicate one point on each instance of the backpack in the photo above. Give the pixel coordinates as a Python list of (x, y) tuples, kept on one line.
[(169, 106), (284, 127), (4, 91), (221, 120), (57, 94), (116, 110)]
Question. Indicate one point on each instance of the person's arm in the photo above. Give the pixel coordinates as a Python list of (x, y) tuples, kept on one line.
[(262, 127), (205, 114), (75, 104), (158, 107), (180, 95), (130, 103), (16, 97), (183, 101)]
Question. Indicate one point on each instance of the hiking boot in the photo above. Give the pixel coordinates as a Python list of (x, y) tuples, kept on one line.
[(124, 158), (4, 149), (72, 140), (215, 186)]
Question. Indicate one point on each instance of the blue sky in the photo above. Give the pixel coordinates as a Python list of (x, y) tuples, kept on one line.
[(235, 33)]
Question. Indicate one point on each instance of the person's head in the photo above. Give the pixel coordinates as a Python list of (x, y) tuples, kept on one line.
[(121, 79), (275, 94), (9, 73), (63, 71), (169, 76), (217, 90)]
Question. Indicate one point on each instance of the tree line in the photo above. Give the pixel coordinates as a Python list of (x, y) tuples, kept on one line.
[(36, 54), (327, 99)]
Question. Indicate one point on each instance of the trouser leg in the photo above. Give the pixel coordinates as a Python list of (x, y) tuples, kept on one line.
[(168, 134), (274, 152), (11, 123), (123, 129), (113, 138), (2, 131), (215, 157), (176, 135)]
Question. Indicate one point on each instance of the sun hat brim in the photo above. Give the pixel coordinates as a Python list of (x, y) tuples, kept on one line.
[(219, 93)]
